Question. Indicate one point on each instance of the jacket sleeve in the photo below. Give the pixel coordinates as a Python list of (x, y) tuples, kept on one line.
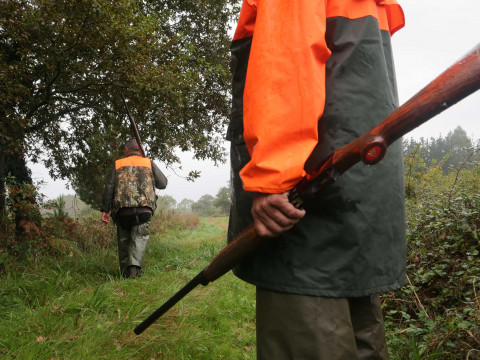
[(284, 91), (160, 179), (108, 192)]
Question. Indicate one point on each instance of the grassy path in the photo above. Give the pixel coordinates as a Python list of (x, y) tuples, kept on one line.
[(73, 305), (78, 308)]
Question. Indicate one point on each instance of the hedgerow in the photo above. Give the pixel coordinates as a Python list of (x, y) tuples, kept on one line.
[(438, 314)]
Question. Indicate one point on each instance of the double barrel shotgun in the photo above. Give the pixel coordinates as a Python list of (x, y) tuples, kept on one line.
[(456, 83), (133, 126)]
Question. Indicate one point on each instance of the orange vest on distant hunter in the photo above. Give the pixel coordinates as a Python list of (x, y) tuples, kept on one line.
[(277, 54), (134, 183)]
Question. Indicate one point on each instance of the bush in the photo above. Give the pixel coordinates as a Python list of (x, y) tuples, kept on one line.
[(88, 233), (164, 220), (57, 237), (438, 313)]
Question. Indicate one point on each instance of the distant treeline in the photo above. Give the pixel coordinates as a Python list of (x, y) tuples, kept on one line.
[(207, 205), (454, 150)]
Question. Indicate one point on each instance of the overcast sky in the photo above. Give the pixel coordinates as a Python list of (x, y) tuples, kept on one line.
[(437, 34)]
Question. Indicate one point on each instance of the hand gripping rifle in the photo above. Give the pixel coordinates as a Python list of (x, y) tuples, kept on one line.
[(456, 83), (133, 126)]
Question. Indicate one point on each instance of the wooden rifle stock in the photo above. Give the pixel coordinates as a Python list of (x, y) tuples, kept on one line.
[(456, 83), (133, 126)]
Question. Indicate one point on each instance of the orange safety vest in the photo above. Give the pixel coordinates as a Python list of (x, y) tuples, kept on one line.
[(285, 85), (133, 161)]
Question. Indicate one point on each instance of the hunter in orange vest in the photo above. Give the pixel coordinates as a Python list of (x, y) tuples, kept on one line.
[(129, 195)]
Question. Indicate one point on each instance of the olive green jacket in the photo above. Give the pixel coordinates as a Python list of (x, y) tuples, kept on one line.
[(352, 240)]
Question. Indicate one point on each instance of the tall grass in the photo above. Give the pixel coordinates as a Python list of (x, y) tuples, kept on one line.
[(61, 295), (173, 220), (78, 307)]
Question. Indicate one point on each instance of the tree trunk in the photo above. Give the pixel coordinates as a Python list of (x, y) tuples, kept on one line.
[(25, 208), (2, 182), (16, 176)]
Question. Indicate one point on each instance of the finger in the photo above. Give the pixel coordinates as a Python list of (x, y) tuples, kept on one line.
[(268, 228), (279, 210), (272, 222), (273, 214)]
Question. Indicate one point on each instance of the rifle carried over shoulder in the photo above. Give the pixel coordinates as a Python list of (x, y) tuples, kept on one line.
[(456, 83), (133, 126)]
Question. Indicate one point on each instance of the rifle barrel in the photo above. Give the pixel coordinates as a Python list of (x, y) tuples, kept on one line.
[(192, 284), (133, 125)]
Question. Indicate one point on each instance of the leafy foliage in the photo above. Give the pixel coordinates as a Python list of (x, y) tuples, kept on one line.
[(65, 64), (59, 207), (22, 209), (438, 314), (204, 205), (451, 150), (23, 199), (222, 200)]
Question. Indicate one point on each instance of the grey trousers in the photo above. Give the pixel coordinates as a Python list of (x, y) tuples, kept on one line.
[(132, 244), (296, 327)]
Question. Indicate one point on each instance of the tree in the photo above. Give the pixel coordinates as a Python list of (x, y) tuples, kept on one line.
[(222, 200), (185, 205), (64, 64), (451, 152), (204, 205), (459, 146), (166, 202), (59, 207)]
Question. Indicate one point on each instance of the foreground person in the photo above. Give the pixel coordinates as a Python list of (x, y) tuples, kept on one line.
[(308, 78)]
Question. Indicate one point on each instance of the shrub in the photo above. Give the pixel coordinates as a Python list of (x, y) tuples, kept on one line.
[(88, 233), (173, 220), (438, 313), (57, 237)]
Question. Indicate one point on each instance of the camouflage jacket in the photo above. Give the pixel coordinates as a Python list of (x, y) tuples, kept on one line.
[(132, 183)]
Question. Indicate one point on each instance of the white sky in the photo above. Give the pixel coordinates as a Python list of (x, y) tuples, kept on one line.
[(437, 34)]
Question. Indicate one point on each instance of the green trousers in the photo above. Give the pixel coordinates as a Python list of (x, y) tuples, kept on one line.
[(131, 245), (296, 327)]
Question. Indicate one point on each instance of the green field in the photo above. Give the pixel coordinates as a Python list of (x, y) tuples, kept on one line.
[(61, 296), (78, 307)]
